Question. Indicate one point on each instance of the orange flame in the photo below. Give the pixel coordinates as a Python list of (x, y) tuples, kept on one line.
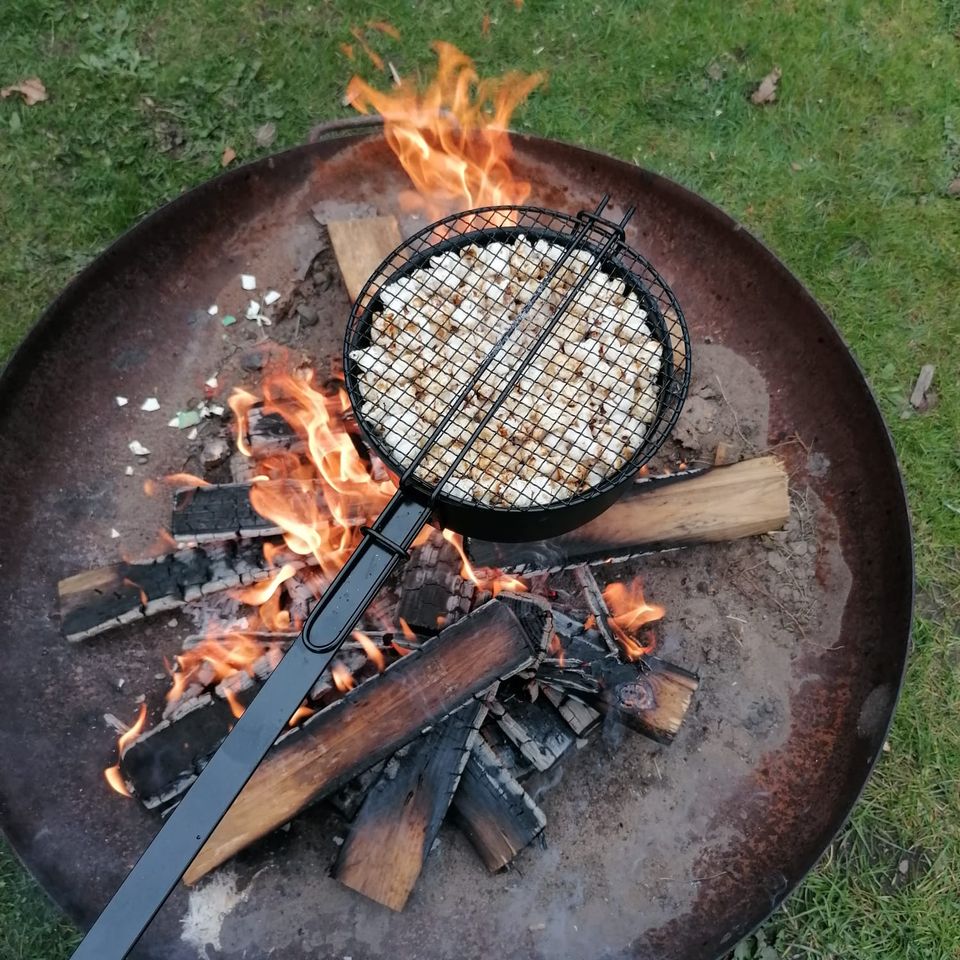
[(452, 137), (373, 652), (342, 677), (300, 714), (214, 659), (498, 581), (261, 592), (112, 774), (185, 480), (240, 403), (236, 707), (629, 614)]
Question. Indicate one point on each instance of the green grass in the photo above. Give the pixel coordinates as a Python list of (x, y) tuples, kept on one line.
[(845, 177)]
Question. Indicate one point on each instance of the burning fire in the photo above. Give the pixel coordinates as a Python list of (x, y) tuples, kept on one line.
[(342, 677), (452, 136), (497, 582), (629, 614), (112, 774)]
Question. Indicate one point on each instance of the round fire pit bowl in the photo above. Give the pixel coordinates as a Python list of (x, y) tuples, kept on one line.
[(678, 867)]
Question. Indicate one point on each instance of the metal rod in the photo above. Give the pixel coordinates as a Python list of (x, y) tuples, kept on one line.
[(117, 930)]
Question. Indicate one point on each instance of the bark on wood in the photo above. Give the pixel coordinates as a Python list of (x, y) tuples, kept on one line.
[(98, 600), (432, 592), (361, 246), (401, 816), (704, 506), (497, 815), (370, 723)]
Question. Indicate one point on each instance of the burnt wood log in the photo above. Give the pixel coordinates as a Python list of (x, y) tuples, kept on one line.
[(269, 433), (497, 815), (580, 716), (535, 728), (650, 696), (682, 509), (401, 815), (432, 592), (372, 722), (98, 600)]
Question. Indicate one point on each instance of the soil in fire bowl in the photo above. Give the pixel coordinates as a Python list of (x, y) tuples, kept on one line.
[(847, 175)]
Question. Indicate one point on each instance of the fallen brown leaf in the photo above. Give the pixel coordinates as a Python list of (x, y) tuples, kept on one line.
[(767, 91), (485, 25), (384, 27), (266, 134), (32, 90), (229, 155), (953, 187)]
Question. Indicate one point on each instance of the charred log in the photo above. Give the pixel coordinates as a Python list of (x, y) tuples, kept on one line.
[(401, 816), (339, 742), (432, 592)]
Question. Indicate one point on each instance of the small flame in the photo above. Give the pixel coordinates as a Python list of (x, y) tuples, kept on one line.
[(498, 581), (373, 652), (452, 137), (300, 714), (629, 614), (555, 649), (112, 774), (407, 632), (240, 403), (342, 677), (185, 480), (212, 660), (236, 707), (261, 592)]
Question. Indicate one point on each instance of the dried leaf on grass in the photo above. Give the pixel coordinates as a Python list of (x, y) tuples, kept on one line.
[(32, 90), (229, 155), (953, 187), (767, 91), (266, 134)]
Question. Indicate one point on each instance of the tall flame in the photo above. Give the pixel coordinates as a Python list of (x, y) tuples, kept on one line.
[(112, 774), (629, 614), (452, 136)]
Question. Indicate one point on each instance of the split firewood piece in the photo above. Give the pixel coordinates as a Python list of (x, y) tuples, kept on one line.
[(336, 744), (593, 596), (225, 512), (98, 600), (432, 592), (360, 247), (401, 816), (651, 696), (682, 509), (497, 815), (535, 729), (270, 433), (580, 716)]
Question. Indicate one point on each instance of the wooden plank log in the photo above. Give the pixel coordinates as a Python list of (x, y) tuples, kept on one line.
[(497, 815), (702, 506), (401, 816), (98, 600), (218, 512), (372, 722), (535, 729), (360, 247)]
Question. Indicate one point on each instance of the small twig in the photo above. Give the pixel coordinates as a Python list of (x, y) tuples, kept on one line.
[(736, 419)]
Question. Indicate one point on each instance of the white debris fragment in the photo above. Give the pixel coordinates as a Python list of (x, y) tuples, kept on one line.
[(208, 906), (150, 404), (192, 435), (213, 309), (248, 281), (121, 401), (138, 449), (263, 320), (253, 310), (215, 409), (577, 413), (271, 297), (114, 533), (211, 382), (128, 470)]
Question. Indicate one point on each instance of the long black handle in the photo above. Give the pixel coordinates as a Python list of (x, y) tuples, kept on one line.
[(181, 838)]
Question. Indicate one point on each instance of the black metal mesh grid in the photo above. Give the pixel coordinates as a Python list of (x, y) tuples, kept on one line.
[(592, 338)]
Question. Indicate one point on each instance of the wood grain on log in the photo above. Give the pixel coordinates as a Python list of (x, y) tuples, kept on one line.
[(360, 246), (371, 722), (401, 815), (697, 506), (497, 815)]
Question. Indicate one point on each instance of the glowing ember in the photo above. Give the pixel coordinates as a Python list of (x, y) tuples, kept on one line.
[(342, 677), (630, 613), (451, 137)]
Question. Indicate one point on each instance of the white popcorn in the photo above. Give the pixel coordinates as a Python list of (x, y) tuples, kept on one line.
[(581, 406)]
